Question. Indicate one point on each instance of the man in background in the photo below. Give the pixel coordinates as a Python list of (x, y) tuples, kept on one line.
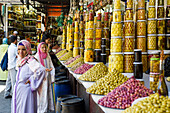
[(12, 58)]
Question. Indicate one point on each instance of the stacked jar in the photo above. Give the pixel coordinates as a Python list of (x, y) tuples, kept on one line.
[(161, 25), (168, 25), (141, 26), (81, 25), (64, 38), (76, 40), (71, 38), (94, 31), (129, 38), (89, 54), (68, 35), (97, 46), (105, 40), (151, 26), (116, 57), (138, 65)]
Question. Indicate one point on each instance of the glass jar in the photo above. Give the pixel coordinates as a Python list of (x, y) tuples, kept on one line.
[(86, 33), (168, 11), (145, 61), (160, 13), (152, 2), (107, 43), (129, 14), (117, 4), (151, 42), (128, 62), (141, 14), (63, 45), (141, 43), (88, 55), (98, 33), (90, 24), (166, 54), (167, 26), (117, 15), (75, 51), (97, 55), (106, 32), (90, 33), (103, 48), (129, 44), (154, 80), (98, 44), (129, 3), (70, 47), (81, 51), (76, 29), (161, 2), (151, 12), (116, 62), (154, 65), (116, 44), (88, 44), (152, 54), (98, 24), (116, 29), (141, 3), (76, 36), (76, 43), (138, 70), (107, 53), (103, 58), (151, 26), (161, 26), (161, 41), (168, 41), (129, 28), (141, 28)]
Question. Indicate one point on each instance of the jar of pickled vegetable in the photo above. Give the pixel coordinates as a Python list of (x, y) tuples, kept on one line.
[(128, 62), (168, 41), (151, 12), (161, 2), (129, 44), (161, 41), (97, 55), (154, 80), (161, 26), (107, 53), (98, 44), (90, 24), (152, 2), (88, 55), (117, 15), (81, 51), (129, 28), (129, 14), (67, 46), (76, 43), (70, 47), (166, 54), (76, 29), (117, 4), (98, 33), (63, 45), (116, 62), (106, 32), (152, 54), (75, 51), (145, 61), (129, 3), (154, 65), (88, 44), (90, 33), (160, 12), (141, 3), (141, 14), (76, 36), (107, 43), (116, 44), (141, 43), (168, 26), (151, 26), (98, 24), (141, 28), (116, 29), (151, 42)]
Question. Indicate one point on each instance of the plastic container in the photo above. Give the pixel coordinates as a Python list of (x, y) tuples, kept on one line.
[(117, 4), (82, 51), (129, 28), (138, 70), (76, 43), (116, 29), (98, 33), (117, 15), (88, 44), (97, 55), (128, 62), (75, 51), (75, 105), (154, 65), (103, 58), (153, 54), (103, 48), (152, 42), (161, 2), (168, 41), (151, 26), (138, 54), (168, 25), (152, 2), (141, 3), (116, 62), (76, 35), (90, 24), (129, 14), (154, 80), (141, 14), (88, 55), (161, 26), (145, 61), (129, 44), (161, 41), (151, 12), (160, 12), (141, 28), (116, 44), (141, 43), (168, 11), (103, 41), (98, 44), (106, 32), (129, 3)]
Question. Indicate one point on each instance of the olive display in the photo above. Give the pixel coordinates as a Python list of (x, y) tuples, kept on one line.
[(67, 55), (77, 66), (80, 59), (59, 54)]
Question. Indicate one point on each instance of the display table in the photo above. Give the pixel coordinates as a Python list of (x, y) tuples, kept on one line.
[(92, 100)]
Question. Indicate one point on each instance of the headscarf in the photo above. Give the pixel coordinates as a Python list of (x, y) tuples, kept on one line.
[(5, 41), (28, 57), (41, 54)]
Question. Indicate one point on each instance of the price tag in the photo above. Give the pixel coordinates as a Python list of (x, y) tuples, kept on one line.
[(151, 79)]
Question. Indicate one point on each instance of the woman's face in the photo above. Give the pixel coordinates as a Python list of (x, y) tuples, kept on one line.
[(47, 41), (22, 51), (43, 48)]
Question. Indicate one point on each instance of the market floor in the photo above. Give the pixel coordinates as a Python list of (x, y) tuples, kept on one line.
[(5, 106)]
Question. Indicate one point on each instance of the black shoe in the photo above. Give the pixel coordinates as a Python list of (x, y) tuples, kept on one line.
[(9, 96)]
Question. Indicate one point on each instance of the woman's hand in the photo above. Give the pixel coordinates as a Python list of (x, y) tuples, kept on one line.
[(48, 70), (28, 82)]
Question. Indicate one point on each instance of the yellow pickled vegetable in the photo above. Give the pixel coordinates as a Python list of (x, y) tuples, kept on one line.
[(62, 52), (67, 55), (75, 62)]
